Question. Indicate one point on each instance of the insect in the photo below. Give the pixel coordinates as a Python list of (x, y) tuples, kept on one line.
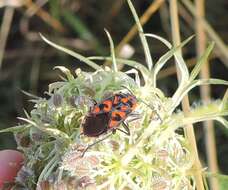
[(108, 115)]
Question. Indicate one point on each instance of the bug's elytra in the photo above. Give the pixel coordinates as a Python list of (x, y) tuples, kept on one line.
[(109, 114)]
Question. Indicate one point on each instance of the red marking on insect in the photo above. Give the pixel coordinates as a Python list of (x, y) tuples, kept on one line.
[(108, 115), (96, 110), (104, 106)]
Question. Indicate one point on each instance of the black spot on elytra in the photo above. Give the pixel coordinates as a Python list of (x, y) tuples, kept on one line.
[(117, 117)]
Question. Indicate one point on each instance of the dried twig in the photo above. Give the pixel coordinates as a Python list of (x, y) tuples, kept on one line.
[(45, 16)]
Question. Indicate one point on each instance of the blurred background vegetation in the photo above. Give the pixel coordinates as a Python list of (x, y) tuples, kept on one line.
[(26, 62)]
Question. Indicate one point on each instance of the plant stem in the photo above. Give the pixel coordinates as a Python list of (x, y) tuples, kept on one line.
[(189, 131)]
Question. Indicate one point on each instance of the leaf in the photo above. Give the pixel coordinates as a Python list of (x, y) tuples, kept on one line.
[(222, 121), (202, 60), (149, 60), (210, 81), (163, 40), (26, 113), (136, 73), (200, 82), (51, 131), (112, 51), (48, 168), (15, 129), (145, 72), (224, 103), (179, 60), (65, 71), (177, 98), (72, 53), (54, 86), (210, 111), (29, 94), (161, 62)]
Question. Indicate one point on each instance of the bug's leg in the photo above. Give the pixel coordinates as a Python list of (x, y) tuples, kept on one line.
[(126, 131), (81, 134), (125, 124), (133, 116), (96, 142), (94, 101)]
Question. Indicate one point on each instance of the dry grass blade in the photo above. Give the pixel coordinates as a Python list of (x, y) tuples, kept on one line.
[(185, 103), (222, 47), (45, 16), (5, 27), (205, 94)]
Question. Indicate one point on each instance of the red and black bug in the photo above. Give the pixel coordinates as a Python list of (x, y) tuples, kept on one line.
[(108, 115)]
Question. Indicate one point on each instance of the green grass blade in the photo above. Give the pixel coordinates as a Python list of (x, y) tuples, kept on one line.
[(201, 61), (55, 8), (77, 25), (112, 50), (83, 31), (73, 54), (145, 45)]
